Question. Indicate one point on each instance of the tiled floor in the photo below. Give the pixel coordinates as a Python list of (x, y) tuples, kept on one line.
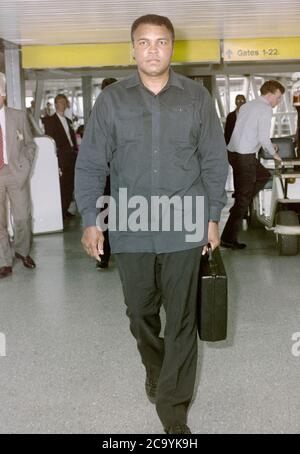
[(71, 365)]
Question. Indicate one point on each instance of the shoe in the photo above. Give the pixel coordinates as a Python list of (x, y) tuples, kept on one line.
[(27, 261), (151, 387), (178, 429), (102, 264), (5, 271), (234, 245), (68, 215)]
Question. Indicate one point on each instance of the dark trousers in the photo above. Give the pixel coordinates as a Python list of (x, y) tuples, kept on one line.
[(150, 280), (249, 178), (66, 188), (106, 246)]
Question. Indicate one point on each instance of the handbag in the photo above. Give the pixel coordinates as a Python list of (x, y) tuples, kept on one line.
[(212, 298)]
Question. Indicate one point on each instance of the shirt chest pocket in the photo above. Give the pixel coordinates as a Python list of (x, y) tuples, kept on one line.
[(129, 125), (181, 124)]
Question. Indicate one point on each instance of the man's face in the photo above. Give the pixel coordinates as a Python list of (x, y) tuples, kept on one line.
[(2, 99), (275, 98), (61, 105), (152, 49), (239, 101)]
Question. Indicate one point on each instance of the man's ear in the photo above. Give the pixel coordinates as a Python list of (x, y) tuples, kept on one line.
[(132, 51)]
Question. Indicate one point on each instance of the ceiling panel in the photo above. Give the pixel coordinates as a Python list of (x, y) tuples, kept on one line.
[(95, 21)]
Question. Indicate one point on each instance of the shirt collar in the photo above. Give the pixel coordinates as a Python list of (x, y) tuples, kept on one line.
[(174, 80), (263, 99)]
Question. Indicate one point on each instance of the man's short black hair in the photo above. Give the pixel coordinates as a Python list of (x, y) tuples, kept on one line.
[(153, 19)]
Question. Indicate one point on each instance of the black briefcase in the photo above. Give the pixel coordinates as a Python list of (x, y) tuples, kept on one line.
[(212, 298)]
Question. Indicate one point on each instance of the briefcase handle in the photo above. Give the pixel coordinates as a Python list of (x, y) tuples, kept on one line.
[(210, 258), (209, 253)]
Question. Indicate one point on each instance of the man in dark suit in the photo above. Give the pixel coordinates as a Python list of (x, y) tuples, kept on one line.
[(230, 124), (60, 129), (17, 150)]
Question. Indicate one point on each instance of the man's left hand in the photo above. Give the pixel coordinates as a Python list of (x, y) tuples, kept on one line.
[(213, 236)]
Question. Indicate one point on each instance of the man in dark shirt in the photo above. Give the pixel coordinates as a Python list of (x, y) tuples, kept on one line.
[(231, 117), (160, 133), (230, 124)]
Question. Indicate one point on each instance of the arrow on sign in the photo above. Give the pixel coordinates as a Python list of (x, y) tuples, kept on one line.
[(229, 54)]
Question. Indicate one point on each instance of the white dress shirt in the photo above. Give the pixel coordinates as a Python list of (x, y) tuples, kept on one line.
[(252, 128), (66, 127), (3, 127)]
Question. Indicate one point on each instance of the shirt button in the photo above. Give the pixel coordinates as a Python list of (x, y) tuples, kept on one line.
[(155, 151), (155, 170)]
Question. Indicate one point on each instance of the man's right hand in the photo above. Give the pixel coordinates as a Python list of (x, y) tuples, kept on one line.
[(277, 156), (92, 241)]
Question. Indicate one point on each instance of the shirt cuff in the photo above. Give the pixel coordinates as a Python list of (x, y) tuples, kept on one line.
[(269, 151), (214, 214), (89, 220)]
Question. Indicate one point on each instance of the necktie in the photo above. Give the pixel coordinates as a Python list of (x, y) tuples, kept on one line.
[(1, 149)]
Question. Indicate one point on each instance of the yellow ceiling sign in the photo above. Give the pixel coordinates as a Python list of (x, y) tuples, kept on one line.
[(262, 49), (205, 50), (112, 54), (76, 55)]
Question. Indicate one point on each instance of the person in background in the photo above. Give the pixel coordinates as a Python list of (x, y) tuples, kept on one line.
[(230, 122), (17, 151), (232, 116), (48, 111), (69, 113), (31, 109), (34, 126), (60, 129), (108, 81), (79, 135), (251, 132)]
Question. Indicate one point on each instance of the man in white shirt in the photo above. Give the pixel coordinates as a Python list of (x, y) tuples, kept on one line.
[(251, 132)]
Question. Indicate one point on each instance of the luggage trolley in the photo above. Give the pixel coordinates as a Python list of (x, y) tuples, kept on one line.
[(277, 206)]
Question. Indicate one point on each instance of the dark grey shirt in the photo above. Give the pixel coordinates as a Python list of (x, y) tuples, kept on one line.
[(170, 144)]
